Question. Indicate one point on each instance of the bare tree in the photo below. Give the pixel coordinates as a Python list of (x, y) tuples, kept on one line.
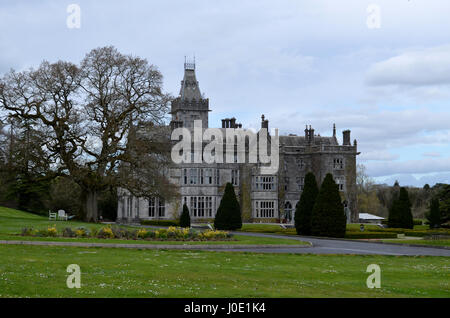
[(364, 183), (86, 114)]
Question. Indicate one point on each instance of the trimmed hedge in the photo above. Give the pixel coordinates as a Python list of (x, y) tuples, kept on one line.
[(417, 233), (161, 222), (369, 235)]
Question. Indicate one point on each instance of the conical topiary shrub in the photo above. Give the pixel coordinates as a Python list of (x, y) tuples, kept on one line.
[(228, 216), (185, 219), (304, 208), (328, 217), (400, 215), (434, 216)]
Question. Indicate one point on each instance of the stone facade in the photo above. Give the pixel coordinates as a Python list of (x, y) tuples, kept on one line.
[(263, 198)]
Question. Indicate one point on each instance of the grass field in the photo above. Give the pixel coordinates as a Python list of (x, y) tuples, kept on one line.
[(32, 271), (12, 221), (40, 271), (238, 240)]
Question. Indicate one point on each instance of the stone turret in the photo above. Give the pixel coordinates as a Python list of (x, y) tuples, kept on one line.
[(190, 104)]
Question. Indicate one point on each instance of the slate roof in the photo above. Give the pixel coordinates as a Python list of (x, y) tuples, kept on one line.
[(300, 141)]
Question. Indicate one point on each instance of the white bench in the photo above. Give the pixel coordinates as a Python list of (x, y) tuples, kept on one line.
[(51, 215)]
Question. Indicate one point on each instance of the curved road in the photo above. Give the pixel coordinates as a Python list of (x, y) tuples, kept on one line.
[(336, 246)]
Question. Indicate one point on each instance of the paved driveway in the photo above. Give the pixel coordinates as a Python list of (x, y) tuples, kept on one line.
[(331, 246)]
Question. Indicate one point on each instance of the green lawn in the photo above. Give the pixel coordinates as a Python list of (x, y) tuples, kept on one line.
[(238, 240), (421, 242), (37, 271), (40, 271), (12, 221)]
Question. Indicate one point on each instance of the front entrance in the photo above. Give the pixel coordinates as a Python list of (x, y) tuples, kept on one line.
[(288, 212)]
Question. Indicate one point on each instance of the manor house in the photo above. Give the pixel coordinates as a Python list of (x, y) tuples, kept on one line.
[(263, 198)]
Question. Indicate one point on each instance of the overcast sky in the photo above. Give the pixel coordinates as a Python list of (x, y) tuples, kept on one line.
[(297, 62)]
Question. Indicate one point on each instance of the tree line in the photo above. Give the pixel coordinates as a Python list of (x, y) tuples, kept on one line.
[(379, 199)]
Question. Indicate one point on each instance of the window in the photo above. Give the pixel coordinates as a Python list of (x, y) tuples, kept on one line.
[(151, 207), (216, 176), (136, 207), (185, 177), (201, 206), (201, 176), (193, 206), (130, 204), (338, 163), (300, 183), (264, 183), (265, 209), (301, 163), (340, 181), (286, 184), (161, 208), (193, 176), (235, 177), (208, 176), (208, 206)]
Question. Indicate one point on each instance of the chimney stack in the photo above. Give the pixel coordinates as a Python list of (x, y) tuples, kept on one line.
[(233, 122), (309, 134), (264, 122), (346, 137)]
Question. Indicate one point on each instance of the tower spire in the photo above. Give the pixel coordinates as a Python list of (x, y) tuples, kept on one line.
[(190, 105), (190, 89)]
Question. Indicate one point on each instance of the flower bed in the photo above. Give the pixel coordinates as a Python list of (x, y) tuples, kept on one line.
[(108, 232)]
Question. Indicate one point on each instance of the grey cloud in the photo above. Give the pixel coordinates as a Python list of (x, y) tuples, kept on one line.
[(428, 165), (429, 66), (378, 156)]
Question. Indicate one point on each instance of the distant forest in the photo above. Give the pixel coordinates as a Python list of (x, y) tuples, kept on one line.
[(377, 198)]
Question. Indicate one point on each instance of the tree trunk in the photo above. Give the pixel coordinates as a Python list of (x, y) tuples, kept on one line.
[(91, 205)]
